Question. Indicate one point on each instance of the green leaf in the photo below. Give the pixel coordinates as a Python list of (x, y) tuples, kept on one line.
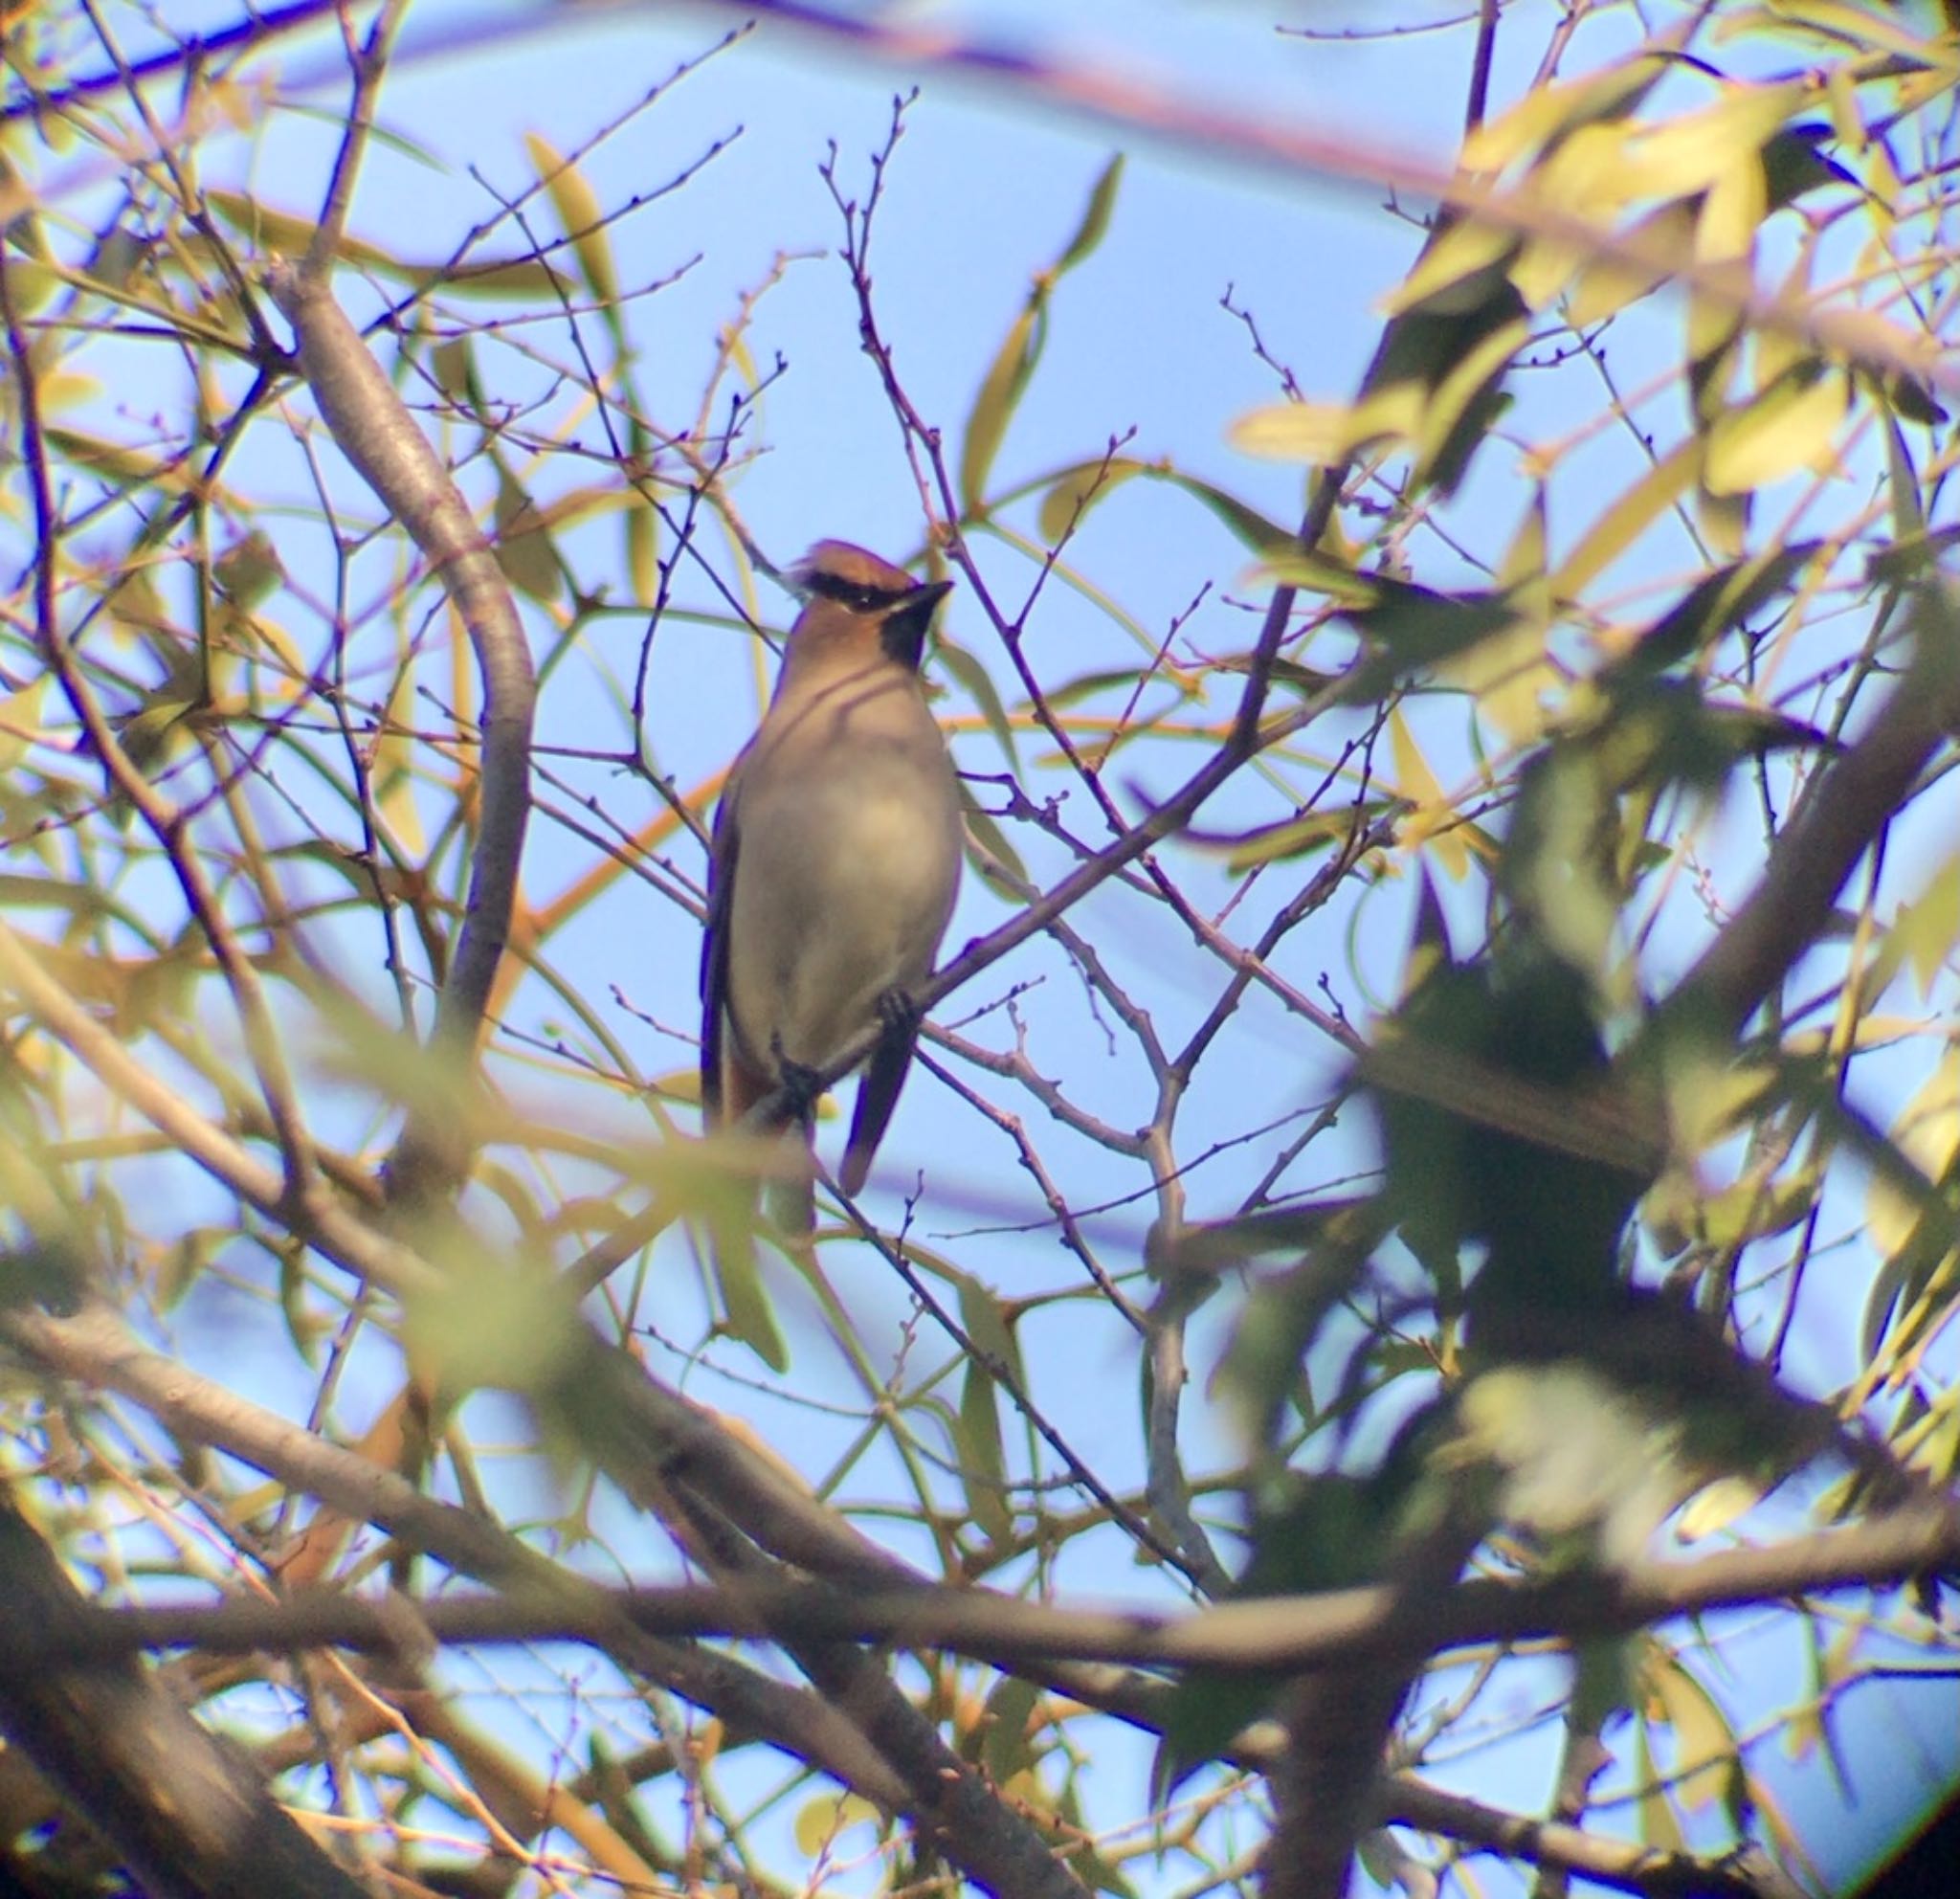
[(1007, 1746), (819, 1820), (1416, 626), (1728, 597), (1079, 489), (1095, 216), (249, 570), (992, 839), (289, 235), (1292, 836), (978, 685), (983, 1459), (525, 549), (746, 1312), (1000, 392)]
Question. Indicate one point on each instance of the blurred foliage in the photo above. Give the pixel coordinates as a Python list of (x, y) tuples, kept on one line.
[(1639, 492)]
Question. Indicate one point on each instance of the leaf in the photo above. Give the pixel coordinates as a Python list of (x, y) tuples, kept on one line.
[(1544, 113), (983, 1460), (1927, 1133), (1604, 285), (1790, 425), (1000, 392), (1697, 150), (1008, 1747), (249, 570), (643, 551), (1096, 216), (1419, 627), (20, 721), (1728, 597), (525, 549), (1081, 488), (1707, 1756), (749, 1315), (1432, 817), (1322, 434), (819, 1820), (1291, 837), (978, 685), (1927, 930), (290, 235), (583, 220), (989, 837), (1628, 519)]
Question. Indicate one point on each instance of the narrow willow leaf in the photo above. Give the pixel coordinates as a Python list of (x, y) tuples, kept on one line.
[(1000, 392), (1095, 216), (978, 685), (1604, 285), (1322, 434), (524, 550), (1790, 425), (1697, 150), (1927, 930), (1432, 817), (580, 217), (1706, 1749), (643, 550), (1545, 112), (1076, 491)]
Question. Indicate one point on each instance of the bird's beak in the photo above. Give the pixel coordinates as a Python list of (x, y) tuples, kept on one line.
[(904, 628)]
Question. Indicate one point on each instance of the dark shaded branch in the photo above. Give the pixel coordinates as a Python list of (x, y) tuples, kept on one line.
[(1289, 1634), (192, 1817)]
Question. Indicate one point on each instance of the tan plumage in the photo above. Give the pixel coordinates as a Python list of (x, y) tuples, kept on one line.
[(836, 857)]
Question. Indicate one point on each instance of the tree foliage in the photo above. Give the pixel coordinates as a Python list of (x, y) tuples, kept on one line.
[(1444, 1182)]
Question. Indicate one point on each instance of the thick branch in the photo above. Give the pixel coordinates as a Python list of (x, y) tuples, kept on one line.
[(190, 1818), (375, 431)]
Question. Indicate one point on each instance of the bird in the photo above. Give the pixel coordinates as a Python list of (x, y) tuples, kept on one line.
[(834, 866)]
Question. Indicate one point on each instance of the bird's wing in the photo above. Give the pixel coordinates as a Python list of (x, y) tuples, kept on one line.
[(877, 1094), (714, 953)]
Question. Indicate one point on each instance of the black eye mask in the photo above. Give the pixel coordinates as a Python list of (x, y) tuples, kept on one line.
[(854, 595)]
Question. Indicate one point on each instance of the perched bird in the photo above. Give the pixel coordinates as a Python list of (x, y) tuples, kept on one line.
[(835, 860)]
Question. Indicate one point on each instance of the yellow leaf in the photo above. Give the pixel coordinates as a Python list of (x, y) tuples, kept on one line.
[(1511, 676), (1927, 930), (1627, 520), (1733, 212), (820, 1821), (1706, 1757), (1606, 286), (1321, 433), (1697, 150), (1927, 1133), (579, 217), (1790, 426), (20, 722), (1432, 821), (1461, 249), (394, 768), (1545, 111)]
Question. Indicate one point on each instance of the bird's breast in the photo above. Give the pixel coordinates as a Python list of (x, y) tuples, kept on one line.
[(849, 865)]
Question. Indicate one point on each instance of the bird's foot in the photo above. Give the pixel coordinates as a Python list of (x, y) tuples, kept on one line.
[(801, 1083), (898, 1015)]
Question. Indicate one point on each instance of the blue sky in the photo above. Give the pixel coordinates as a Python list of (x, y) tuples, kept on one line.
[(983, 191)]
